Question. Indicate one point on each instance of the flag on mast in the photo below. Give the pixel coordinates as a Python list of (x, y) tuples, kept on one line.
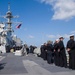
[(18, 26)]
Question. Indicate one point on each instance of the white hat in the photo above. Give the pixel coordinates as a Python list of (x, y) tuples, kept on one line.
[(72, 35), (57, 40)]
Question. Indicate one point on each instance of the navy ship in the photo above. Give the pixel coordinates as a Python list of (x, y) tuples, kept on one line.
[(7, 38)]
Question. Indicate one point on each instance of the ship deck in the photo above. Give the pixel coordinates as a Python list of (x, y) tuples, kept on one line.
[(29, 65)]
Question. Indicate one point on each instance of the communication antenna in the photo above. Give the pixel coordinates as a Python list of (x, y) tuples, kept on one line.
[(9, 6)]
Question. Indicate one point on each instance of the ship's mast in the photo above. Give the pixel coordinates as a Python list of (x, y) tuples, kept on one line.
[(8, 6), (9, 16)]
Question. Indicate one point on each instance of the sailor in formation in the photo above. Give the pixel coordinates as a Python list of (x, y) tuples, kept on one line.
[(63, 58), (57, 52), (71, 50)]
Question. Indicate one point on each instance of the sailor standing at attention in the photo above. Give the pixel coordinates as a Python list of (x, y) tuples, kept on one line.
[(63, 58), (71, 50)]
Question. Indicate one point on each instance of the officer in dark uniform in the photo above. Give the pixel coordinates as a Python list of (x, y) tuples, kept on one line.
[(41, 49), (44, 53), (71, 50), (49, 52), (56, 53), (63, 58), (31, 49)]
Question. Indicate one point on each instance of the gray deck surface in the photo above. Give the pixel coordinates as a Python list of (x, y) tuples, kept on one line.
[(29, 65)]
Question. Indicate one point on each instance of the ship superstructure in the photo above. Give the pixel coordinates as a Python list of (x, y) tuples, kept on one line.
[(7, 40)]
